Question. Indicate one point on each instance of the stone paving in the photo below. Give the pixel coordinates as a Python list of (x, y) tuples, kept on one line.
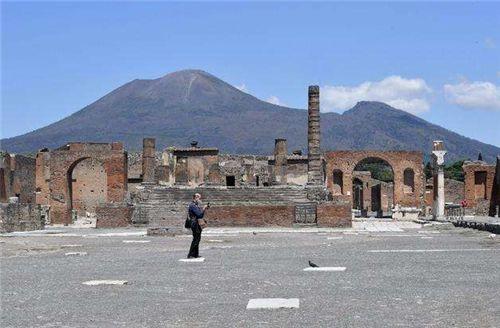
[(435, 276)]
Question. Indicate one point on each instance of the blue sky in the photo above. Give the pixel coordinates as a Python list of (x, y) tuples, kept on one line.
[(440, 61)]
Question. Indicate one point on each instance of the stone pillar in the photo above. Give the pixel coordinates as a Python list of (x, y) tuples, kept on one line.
[(280, 161), (495, 195), (314, 176), (148, 160), (438, 153)]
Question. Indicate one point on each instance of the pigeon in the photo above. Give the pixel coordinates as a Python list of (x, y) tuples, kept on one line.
[(312, 265), (254, 233)]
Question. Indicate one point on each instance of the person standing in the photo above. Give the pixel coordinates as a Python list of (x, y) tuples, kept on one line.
[(196, 213)]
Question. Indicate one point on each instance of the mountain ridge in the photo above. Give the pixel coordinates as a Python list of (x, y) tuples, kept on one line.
[(193, 104)]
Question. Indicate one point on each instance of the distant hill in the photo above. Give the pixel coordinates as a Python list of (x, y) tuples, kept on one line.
[(194, 105)]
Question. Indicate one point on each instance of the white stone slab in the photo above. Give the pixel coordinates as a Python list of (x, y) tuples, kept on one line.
[(430, 250), (76, 254), (426, 237), (105, 282), (350, 233), (334, 238), (199, 259), (335, 269), (429, 231), (273, 303), (215, 241), (71, 246), (136, 241)]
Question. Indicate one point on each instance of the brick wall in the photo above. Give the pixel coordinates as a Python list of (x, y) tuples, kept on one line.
[(478, 192), (252, 215), (114, 215), (346, 161), (335, 214)]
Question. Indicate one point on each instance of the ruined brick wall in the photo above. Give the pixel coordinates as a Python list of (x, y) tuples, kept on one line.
[(23, 178), (62, 162), (296, 173), (89, 186), (42, 177), (20, 217), (453, 191), (252, 215), (479, 179), (5, 177), (346, 161), (335, 214), (113, 215)]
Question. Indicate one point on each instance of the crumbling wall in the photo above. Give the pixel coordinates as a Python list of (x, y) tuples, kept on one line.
[(20, 217), (346, 161), (89, 186), (23, 178), (479, 179), (114, 215), (61, 163)]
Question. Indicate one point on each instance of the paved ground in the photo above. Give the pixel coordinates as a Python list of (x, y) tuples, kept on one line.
[(432, 277)]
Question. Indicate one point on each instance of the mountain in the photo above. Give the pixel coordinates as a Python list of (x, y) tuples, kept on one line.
[(195, 105)]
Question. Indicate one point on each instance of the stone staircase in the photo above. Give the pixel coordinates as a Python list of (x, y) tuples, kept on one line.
[(167, 206)]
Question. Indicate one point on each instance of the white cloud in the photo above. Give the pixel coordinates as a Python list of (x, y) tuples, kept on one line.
[(242, 87), (490, 43), (410, 95), (474, 95), (275, 100)]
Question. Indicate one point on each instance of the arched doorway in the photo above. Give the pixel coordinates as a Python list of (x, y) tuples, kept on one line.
[(376, 183), (87, 186)]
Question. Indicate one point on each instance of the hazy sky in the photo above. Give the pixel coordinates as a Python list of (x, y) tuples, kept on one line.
[(440, 61)]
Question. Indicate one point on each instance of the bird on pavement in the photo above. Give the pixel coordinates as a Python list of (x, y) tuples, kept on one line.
[(312, 265)]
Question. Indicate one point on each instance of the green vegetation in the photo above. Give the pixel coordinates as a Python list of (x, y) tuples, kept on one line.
[(380, 170), (453, 171)]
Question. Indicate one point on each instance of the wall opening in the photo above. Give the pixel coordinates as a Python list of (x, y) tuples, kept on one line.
[(87, 187), (480, 185), (409, 181), (257, 182), (376, 184), (357, 192), (230, 181), (338, 182)]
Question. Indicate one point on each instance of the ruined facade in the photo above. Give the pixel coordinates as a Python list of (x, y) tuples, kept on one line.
[(482, 187), (79, 177), (407, 167)]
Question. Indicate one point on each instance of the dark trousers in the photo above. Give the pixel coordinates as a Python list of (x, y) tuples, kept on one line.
[(194, 250)]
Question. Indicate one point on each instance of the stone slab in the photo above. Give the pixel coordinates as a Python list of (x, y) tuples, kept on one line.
[(334, 269), (273, 303)]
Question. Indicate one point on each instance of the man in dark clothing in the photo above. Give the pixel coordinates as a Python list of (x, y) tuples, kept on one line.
[(196, 214)]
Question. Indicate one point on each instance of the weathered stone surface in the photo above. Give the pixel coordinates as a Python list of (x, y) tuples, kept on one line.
[(58, 189), (346, 161), (20, 217), (114, 215)]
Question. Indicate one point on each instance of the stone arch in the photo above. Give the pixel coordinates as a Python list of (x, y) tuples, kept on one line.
[(346, 162), (62, 162)]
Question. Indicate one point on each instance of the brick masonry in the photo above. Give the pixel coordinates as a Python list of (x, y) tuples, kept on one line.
[(114, 215), (58, 166), (336, 214), (480, 188), (346, 161)]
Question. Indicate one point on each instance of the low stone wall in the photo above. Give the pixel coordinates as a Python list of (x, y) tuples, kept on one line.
[(336, 214), (114, 215), (20, 217), (253, 215)]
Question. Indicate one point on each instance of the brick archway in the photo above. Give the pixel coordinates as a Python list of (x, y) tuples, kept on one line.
[(346, 161), (63, 160)]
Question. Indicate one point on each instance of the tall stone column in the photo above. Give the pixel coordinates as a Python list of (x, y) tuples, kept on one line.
[(280, 161), (438, 153), (313, 138), (148, 160)]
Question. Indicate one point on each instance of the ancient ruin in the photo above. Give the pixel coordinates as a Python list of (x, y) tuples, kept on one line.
[(100, 184)]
